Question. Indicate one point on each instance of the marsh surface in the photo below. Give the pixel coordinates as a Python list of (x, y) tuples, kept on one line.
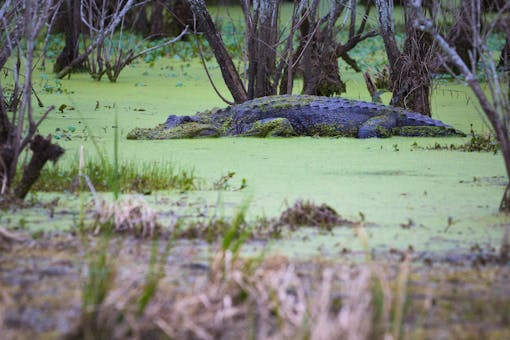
[(431, 200)]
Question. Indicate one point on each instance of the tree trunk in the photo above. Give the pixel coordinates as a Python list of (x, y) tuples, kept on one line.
[(6, 158), (504, 62), (227, 67), (461, 35), (386, 23), (409, 70), (157, 22), (182, 17), (321, 75), (42, 151), (5, 124), (71, 11), (504, 58), (6, 150), (262, 49), (138, 20), (412, 77)]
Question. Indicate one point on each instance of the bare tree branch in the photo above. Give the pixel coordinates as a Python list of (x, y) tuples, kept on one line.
[(22, 21), (115, 20), (227, 67), (199, 46), (497, 109), (49, 26)]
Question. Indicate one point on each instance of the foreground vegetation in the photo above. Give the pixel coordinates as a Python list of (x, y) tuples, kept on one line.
[(133, 178), (137, 289)]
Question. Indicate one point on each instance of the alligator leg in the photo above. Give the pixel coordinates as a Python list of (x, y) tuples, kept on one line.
[(378, 126), (270, 127)]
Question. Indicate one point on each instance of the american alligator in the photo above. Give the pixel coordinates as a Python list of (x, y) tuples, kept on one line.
[(299, 115)]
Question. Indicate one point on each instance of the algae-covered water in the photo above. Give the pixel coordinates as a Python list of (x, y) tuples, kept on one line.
[(432, 200)]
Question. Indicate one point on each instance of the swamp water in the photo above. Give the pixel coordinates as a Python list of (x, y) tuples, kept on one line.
[(430, 200)]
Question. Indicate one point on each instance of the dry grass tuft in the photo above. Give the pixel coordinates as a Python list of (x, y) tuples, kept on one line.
[(307, 213), (209, 229), (270, 299), (8, 237), (7, 302), (301, 214), (129, 215)]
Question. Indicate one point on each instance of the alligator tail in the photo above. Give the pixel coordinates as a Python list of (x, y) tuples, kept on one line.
[(415, 124)]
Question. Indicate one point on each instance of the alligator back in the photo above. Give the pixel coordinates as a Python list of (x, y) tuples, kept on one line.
[(326, 116)]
